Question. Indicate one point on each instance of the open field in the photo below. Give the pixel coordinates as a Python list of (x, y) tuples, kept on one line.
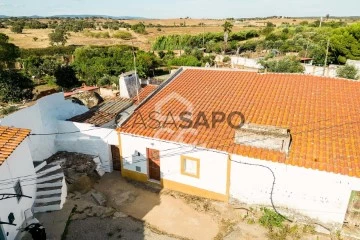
[(26, 39)]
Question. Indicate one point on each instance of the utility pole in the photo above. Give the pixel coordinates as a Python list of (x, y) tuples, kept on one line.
[(136, 76), (203, 25), (326, 56)]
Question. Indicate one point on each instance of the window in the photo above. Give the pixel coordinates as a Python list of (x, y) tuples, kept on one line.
[(18, 190), (190, 166)]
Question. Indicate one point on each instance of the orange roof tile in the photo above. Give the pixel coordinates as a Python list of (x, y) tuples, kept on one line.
[(321, 113), (144, 92), (10, 139)]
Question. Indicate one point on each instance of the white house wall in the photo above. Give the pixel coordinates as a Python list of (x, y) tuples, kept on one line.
[(42, 118), (90, 140), (213, 165), (319, 195), (18, 165)]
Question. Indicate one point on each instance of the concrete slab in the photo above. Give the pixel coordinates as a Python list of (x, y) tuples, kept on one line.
[(55, 222)]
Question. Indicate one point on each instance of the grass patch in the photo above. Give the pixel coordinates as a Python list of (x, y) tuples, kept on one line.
[(88, 33), (122, 35), (271, 219)]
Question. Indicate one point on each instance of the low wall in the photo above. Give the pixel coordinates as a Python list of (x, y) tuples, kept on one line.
[(89, 140), (320, 195)]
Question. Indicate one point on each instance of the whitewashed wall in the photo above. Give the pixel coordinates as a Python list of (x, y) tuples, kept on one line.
[(319, 195), (18, 165), (246, 62), (90, 140), (42, 118), (213, 165)]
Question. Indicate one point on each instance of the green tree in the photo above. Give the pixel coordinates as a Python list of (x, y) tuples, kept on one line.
[(32, 66), (146, 63), (348, 71), (345, 43), (139, 28), (17, 27), (14, 86), (227, 27), (4, 37), (8, 51), (66, 77), (58, 36), (285, 65)]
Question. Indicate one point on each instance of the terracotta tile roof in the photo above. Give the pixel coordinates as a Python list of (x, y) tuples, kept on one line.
[(10, 139), (144, 92), (322, 114), (104, 112)]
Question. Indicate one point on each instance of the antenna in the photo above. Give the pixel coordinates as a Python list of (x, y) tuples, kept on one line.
[(136, 77)]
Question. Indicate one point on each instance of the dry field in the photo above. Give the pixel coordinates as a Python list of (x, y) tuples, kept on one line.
[(26, 39)]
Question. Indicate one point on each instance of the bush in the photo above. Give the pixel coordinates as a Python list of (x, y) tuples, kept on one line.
[(285, 65), (348, 71), (226, 59), (185, 60), (107, 80), (66, 78), (271, 219), (14, 86), (123, 35), (96, 34), (49, 51), (139, 28), (50, 80), (9, 110), (17, 28)]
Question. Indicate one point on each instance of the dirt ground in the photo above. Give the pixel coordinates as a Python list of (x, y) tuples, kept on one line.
[(137, 211)]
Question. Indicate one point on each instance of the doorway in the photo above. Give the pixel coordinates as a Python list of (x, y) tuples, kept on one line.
[(153, 157), (115, 151)]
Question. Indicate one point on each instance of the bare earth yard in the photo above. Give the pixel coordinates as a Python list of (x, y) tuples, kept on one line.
[(137, 211)]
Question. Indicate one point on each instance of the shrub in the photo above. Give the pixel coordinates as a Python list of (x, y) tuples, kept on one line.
[(185, 60), (123, 35), (87, 33), (139, 28), (285, 65), (9, 110), (348, 71), (66, 78), (14, 86), (49, 51), (226, 59), (17, 28), (271, 219)]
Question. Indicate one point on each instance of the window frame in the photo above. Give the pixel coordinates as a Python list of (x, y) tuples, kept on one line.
[(183, 164), (17, 187)]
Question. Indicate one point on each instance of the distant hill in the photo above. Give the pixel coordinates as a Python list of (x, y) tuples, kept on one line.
[(79, 16)]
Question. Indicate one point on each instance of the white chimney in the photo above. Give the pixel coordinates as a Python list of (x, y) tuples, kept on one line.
[(129, 85)]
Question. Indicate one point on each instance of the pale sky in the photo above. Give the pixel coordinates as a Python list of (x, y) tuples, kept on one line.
[(182, 8)]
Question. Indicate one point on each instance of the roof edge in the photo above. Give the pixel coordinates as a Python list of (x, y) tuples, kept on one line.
[(161, 86)]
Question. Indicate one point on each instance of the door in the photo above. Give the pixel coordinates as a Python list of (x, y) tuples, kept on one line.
[(116, 158), (153, 157)]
